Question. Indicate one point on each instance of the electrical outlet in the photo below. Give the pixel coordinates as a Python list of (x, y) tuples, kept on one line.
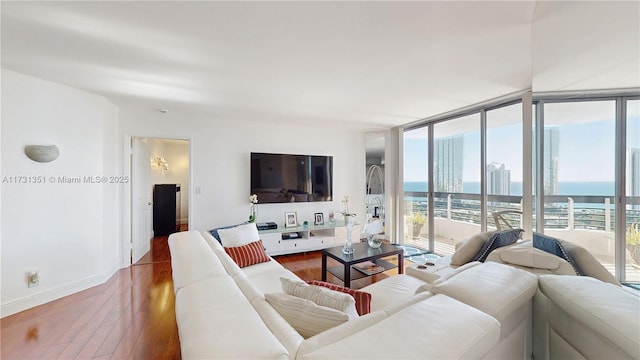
[(33, 279)]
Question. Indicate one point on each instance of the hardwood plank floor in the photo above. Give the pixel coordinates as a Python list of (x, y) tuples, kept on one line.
[(131, 316)]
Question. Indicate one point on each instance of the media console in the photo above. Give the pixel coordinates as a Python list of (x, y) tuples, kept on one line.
[(301, 239)]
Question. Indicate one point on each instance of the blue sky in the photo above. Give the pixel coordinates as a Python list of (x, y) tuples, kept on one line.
[(587, 151)]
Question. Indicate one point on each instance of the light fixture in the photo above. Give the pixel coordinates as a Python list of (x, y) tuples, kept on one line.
[(161, 162), (42, 153)]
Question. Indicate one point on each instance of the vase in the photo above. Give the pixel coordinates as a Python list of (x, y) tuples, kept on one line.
[(374, 242), (253, 213), (347, 249)]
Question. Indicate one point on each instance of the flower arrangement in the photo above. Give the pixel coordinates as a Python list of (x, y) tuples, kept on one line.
[(417, 218), (253, 200), (346, 212)]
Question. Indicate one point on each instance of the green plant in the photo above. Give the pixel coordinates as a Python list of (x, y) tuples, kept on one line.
[(633, 242), (633, 235), (416, 218)]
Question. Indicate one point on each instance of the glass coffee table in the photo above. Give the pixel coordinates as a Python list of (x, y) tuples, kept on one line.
[(362, 253)]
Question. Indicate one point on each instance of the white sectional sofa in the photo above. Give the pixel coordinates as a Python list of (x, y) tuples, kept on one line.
[(580, 317), (575, 317), (480, 311)]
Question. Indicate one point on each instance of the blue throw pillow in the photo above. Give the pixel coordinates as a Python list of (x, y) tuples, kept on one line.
[(555, 247), (499, 239), (214, 232)]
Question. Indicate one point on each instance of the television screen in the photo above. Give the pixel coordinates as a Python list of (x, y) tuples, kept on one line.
[(278, 178)]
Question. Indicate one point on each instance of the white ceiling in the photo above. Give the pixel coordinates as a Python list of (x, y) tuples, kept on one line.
[(370, 65)]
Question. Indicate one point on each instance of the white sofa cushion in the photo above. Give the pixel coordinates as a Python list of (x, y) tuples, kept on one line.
[(212, 314), (524, 254), (320, 295), (267, 277), (496, 289), (443, 275), (417, 331), (392, 290), (211, 241), (304, 315), (239, 235), (287, 335), (604, 308), (192, 259), (229, 265)]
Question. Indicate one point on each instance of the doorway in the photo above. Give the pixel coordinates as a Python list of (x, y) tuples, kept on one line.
[(375, 185), (157, 163)]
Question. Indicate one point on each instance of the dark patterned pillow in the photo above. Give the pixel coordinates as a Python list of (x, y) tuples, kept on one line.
[(555, 247), (499, 239)]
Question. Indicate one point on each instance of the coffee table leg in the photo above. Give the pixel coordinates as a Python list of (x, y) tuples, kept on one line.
[(324, 267), (400, 263), (347, 275)]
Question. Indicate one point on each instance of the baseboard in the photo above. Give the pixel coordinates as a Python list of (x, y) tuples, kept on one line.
[(16, 306), (184, 221)]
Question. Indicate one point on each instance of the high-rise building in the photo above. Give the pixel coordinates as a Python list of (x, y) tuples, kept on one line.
[(633, 172), (550, 156), (447, 163), (498, 179)]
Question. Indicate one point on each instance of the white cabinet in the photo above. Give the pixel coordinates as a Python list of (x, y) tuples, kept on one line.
[(271, 242), (301, 239)]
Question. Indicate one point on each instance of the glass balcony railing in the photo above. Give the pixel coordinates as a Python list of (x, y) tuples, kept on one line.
[(588, 221)]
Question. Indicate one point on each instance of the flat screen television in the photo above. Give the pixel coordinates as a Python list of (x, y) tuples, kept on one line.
[(279, 178)]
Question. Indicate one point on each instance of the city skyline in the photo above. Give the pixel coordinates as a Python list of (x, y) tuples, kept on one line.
[(498, 179)]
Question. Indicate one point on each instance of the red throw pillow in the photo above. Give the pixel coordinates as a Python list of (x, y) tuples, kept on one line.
[(250, 254), (363, 299)]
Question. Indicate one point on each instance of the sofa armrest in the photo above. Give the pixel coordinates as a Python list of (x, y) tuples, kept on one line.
[(599, 308)]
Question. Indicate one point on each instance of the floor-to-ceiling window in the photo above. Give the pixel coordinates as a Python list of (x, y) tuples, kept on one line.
[(578, 175), (457, 169), (576, 162), (416, 182), (456, 176), (586, 166), (632, 180), (504, 164)]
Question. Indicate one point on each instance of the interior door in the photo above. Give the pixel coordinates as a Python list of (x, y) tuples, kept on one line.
[(141, 222)]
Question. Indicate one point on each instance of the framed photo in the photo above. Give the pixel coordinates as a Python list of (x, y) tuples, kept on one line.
[(290, 219), (318, 219)]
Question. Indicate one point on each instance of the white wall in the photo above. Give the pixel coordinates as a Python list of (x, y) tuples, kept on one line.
[(73, 233), (176, 153), (220, 163), (66, 231)]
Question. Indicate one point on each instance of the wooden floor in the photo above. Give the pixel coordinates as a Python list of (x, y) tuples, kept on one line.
[(131, 316)]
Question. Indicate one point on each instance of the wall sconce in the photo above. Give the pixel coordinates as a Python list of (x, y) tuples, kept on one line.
[(42, 153), (161, 162)]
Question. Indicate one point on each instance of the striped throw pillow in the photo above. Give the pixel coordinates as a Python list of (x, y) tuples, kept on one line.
[(321, 296), (304, 315), (362, 298), (250, 254)]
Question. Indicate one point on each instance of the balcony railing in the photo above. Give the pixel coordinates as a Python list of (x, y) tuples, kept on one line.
[(561, 211), (585, 220)]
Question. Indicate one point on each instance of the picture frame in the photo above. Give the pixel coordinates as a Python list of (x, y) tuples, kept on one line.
[(290, 219), (318, 218)]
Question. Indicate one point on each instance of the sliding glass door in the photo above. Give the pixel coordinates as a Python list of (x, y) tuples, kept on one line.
[(457, 171), (578, 165), (632, 180), (504, 165), (416, 187)]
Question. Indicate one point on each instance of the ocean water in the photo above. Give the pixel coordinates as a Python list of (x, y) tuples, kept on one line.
[(602, 188)]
